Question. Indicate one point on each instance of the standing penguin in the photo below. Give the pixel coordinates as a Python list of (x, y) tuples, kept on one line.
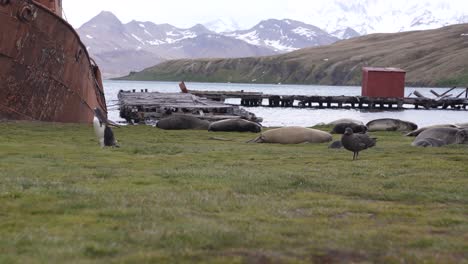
[(102, 130), (356, 142)]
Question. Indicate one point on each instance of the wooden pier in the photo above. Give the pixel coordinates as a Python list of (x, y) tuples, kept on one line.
[(251, 99), (136, 107)]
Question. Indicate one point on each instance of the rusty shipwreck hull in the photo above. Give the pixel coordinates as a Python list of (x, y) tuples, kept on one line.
[(46, 73)]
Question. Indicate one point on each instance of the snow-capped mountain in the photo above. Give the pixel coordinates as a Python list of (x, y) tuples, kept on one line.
[(283, 35), (376, 16), (119, 48), (105, 32), (222, 25)]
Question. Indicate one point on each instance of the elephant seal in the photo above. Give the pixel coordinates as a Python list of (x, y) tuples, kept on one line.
[(462, 125), (390, 124), (440, 136), (235, 125), (345, 120), (418, 131), (428, 142), (340, 128), (177, 122), (336, 145), (293, 135)]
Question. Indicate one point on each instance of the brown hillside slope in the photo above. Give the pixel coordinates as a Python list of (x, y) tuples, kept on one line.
[(431, 58)]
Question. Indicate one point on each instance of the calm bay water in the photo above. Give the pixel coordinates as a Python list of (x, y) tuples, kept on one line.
[(295, 116)]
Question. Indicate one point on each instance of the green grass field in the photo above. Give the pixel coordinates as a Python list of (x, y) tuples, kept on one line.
[(182, 197)]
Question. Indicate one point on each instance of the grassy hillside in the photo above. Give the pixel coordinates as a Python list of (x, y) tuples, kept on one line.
[(431, 58), (181, 197)]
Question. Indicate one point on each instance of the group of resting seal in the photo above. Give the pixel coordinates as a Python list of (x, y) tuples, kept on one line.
[(178, 122), (355, 137)]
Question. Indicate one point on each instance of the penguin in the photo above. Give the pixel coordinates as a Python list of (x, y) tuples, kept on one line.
[(102, 130)]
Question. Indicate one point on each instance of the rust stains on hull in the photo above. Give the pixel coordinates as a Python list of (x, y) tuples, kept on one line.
[(46, 73)]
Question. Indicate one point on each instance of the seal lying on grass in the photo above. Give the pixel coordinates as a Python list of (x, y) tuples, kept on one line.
[(436, 137), (345, 120), (336, 145), (235, 125), (293, 135), (418, 131), (390, 124), (177, 122), (340, 128)]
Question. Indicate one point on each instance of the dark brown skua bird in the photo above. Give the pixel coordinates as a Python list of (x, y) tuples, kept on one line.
[(356, 142)]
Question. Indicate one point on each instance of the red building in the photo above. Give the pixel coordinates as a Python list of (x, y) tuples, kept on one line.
[(383, 82)]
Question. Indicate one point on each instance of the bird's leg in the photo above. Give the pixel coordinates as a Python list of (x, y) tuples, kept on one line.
[(354, 155)]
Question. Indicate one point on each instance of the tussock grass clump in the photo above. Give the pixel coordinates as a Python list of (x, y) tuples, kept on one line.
[(179, 196)]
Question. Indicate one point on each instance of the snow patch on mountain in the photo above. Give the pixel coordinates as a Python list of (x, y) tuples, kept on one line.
[(304, 32), (277, 45), (222, 25), (249, 37), (139, 39), (283, 35)]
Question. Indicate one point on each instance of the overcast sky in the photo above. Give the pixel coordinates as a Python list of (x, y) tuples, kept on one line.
[(186, 13)]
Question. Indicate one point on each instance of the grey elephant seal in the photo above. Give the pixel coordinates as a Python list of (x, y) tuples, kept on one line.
[(436, 137), (341, 127), (235, 125), (356, 142), (177, 122), (418, 131), (390, 124), (336, 145), (428, 142), (345, 120), (293, 135)]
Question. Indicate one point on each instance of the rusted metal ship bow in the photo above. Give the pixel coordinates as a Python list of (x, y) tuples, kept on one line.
[(46, 73)]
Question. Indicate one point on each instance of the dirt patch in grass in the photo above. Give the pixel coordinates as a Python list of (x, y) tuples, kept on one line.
[(257, 257), (337, 256)]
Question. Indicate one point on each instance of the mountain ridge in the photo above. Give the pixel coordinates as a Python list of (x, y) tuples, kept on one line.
[(437, 57), (110, 41)]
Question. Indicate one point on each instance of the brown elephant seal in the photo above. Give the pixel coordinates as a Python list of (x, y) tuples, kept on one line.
[(418, 131), (441, 136), (340, 128), (345, 120), (177, 122), (293, 135), (390, 124), (235, 125)]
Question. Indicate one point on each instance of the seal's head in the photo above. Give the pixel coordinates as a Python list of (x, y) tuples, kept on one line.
[(348, 131)]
